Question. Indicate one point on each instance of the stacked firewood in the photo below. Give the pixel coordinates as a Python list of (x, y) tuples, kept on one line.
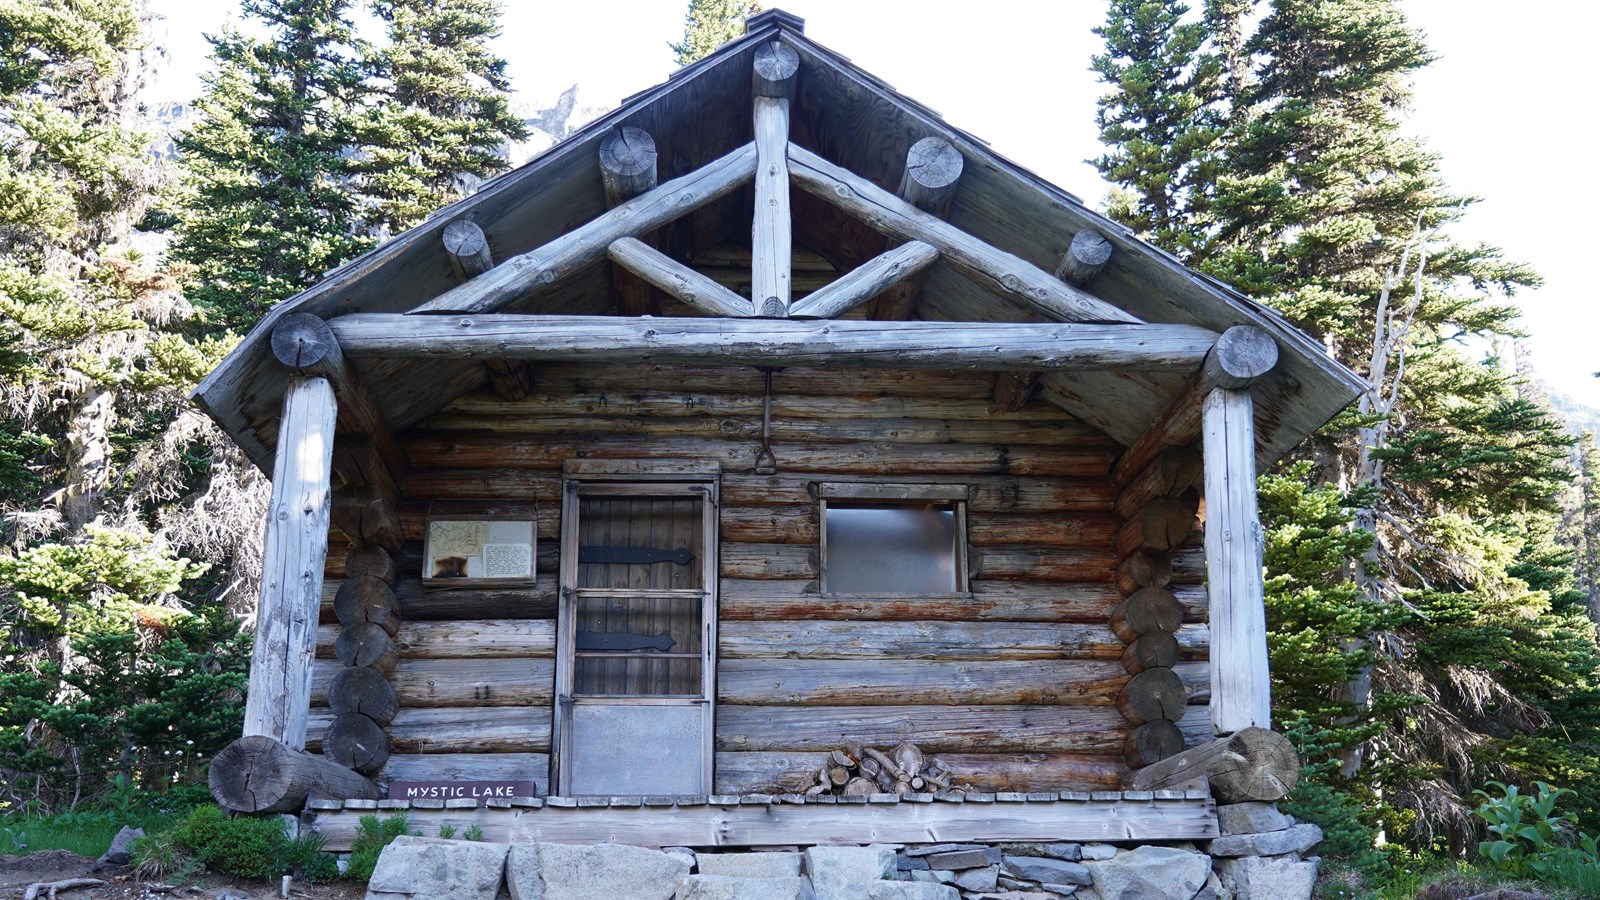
[(857, 771)]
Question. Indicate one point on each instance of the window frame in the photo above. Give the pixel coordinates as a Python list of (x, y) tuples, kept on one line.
[(857, 495)]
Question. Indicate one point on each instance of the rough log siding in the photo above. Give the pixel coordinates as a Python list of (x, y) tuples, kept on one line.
[(1013, 683)]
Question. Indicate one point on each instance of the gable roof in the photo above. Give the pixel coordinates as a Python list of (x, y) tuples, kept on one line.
[(846, 116)]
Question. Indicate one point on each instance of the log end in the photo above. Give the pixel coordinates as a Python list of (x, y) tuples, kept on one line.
[(1261, 765)]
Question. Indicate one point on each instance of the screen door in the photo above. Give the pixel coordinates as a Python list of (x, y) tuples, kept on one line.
[(636, 639)]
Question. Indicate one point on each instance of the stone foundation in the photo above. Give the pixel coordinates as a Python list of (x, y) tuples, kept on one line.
[(1259, 856)]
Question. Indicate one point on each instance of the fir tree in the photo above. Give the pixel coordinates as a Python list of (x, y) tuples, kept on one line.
[(709, 24), (267, 207), (444, 119)]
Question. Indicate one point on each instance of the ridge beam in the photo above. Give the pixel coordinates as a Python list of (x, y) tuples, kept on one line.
[(989, 266), (654, 267), (540, 269), (777, 67), (981, 346)]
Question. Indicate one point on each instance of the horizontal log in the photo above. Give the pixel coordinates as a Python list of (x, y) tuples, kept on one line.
[(466, 639), (533, 767), (561, 379), (1041, 530), (769, 524), (764, 600), (457, 729), (834, 682), (759, 772), (509, 681), (867, 281), (984, 346), (256, 774), (1041, 564), (539, 269), (938, 729), (949, 641), (453, 450), (419, 604), (738, 560)]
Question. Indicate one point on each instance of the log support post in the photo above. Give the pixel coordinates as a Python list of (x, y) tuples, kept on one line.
[(933, 166), (777, 67), (627, 169), (468, 249)]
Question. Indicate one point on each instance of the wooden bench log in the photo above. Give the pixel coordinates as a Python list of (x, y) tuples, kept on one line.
[(256, 774), (1254, 764), (365, 691)]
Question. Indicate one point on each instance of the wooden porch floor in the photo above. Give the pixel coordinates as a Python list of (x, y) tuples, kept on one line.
[(784, 819)]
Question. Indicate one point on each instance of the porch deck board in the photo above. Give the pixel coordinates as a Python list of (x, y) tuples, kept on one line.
[(1108, 816)]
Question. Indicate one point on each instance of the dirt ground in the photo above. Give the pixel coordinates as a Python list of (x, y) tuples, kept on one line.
[(18, 872)]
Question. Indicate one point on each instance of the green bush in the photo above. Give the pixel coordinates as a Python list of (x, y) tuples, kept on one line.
[(244, 846), (158, 856), (372, 835)]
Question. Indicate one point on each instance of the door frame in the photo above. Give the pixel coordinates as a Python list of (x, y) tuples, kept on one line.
[(639, 484)]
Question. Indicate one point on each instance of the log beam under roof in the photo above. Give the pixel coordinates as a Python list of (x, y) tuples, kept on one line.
[(940, 345), (628, 169), (777, 67), (933, 167), (657, 268), (470, 256)]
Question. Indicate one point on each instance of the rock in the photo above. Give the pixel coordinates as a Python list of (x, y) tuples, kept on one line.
[(932, 876), (1022, 895), (1065, 890), (1150, 873), (1296, 839), (1039, 868), (908, 890), (1097, 851), (722, 887), (1251, 818), (231, 894), (842, 873), (685, 853), (964, 859), (926, 849), (910, 863), (750, 865), (983, 879), (1268, 878), (1068, 852), (121, 851), (593, 872), (1214, 890), (425, 868)]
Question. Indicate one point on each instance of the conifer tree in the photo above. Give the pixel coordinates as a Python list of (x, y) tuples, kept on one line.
[(709, 24), (266, 206), (444, 119)]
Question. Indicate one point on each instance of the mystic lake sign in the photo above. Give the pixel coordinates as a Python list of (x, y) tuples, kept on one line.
[(460, 790)]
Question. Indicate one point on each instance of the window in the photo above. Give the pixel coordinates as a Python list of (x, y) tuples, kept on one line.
[(893, 539)]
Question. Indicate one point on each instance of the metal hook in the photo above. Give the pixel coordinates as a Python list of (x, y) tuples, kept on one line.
[(766, 461)]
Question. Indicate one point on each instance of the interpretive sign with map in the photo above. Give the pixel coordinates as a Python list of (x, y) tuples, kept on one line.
[(478, 548)]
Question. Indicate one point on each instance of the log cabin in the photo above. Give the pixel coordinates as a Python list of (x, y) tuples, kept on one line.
[(768, 426)]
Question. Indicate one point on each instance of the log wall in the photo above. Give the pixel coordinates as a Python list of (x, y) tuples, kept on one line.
[(1015, 684)]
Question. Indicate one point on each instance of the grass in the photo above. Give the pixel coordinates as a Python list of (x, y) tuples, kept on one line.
[(83, 833)]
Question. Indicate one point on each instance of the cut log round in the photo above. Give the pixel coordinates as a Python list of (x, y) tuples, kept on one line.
[(468, 248), (1087, 255), (356, 742), (1152, 742), (256, 774), (933, 166), (1152, 695), (776, 67), (1144, 569), (627, 163), (363, 690), (1255, 764), (1151, 650), (1169, 521), (1148, 609), (303, 343), (371, 561), (367, 599), (839, 775), (1243, 353), (366, 644), (859, 787)]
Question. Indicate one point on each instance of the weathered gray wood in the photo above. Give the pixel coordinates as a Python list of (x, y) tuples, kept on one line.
[(836, 682), (375, 562), (941, 345), (928, 182), (1146, 610), (1090, 730), (432, 604), (468, 248), (627, 164), (1164, 525), (256, 774), (1172, 473), (364, 598), (1152, 742), (1153, 649), (771, 236), (362, 690), (1144, 569), (510, 380), (508, 681), (777, 70), (1153, 694), (867, 281), (356, 742), (949, 641), (533, 767), (793, 771), (293, 559), (1254, 764), (1087, 603), (814, 823), (463, 729), (541, 268), (467, 639), (1243, 354), (1241, 684), (1085, 257), (989, 266), (676, 279), (364, 644)]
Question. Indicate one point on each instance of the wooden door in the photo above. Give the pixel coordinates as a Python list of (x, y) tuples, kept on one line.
[(636, 639)]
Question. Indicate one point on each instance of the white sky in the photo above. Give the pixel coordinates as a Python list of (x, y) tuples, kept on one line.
[(1504, 105)]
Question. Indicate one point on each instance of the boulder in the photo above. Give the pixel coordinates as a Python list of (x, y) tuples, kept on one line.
[(592, 872), (750, 865), (1150, 873), (908, 890), (1296, 839), (1251, 818), (1268, 878), (1043, 868), (425, 868), (842, 873), (983, 879), (121, 850), (723, 887)]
